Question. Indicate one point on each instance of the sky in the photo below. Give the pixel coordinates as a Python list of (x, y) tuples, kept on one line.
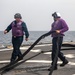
[(37, 13)]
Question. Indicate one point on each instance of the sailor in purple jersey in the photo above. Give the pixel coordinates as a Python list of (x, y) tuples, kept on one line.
[(60, 26), (19, 29)]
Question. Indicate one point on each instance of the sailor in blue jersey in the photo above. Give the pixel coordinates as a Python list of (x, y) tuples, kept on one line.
[(19, 29)]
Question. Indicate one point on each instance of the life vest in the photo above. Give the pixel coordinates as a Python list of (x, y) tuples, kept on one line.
[(17, 29)]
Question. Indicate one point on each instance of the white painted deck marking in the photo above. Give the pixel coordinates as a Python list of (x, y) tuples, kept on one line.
[(70, 55), (48, 53), (37, 50), (4, 61), (67, 55), (38, 61), (71, 63), (5, 50), (23, 48)]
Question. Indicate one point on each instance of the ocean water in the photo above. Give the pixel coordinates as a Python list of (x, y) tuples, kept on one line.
[(5, 39)]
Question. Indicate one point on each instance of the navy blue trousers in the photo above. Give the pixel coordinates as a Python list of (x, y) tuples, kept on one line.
[(55, 40), (16, 41)]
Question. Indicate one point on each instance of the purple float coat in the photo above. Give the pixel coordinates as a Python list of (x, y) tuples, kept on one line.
[(59, 25), (17, 29)]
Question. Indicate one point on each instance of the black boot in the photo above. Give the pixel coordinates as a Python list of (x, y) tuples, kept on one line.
[(20, 58), (55, 68), (64, 63), (12, 60)]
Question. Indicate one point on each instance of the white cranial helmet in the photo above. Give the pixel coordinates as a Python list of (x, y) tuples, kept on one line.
[(56, 15)]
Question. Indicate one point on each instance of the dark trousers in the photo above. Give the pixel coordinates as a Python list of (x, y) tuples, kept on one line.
[(56, 40), (16, 41)]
